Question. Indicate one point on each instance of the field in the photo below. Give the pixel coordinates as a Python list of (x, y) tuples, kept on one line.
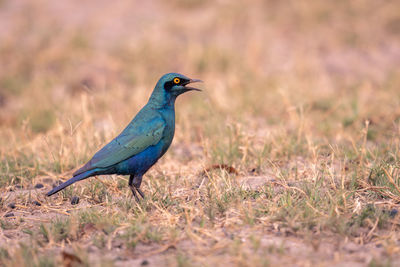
[(290, 156)]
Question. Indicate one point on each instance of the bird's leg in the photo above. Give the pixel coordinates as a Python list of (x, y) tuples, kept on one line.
[(133, 188), (140, 192), (137, 181), (134, 185)]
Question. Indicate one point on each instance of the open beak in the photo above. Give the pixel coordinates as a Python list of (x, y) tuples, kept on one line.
[(189, 88)]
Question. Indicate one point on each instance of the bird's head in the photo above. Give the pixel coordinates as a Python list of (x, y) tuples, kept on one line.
[(176, 84), (169, 87)]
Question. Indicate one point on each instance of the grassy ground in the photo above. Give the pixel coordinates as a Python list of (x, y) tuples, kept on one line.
[(290, 156)]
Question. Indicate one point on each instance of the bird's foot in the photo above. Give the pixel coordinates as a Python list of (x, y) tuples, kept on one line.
[(140, 192), (134, 190)]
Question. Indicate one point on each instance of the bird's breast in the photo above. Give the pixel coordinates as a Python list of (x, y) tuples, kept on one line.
[(169, 131)]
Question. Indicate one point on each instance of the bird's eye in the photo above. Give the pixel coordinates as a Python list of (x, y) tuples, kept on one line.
[(177, 80)]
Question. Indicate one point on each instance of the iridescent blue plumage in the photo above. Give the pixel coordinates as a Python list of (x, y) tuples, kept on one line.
[(146, 138)]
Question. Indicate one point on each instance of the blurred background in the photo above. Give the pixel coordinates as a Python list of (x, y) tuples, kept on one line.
[(300, 105), (73, 73)]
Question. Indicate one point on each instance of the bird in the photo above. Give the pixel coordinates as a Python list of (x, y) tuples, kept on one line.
[(144, 140)]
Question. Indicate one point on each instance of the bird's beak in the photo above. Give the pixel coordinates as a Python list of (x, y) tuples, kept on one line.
[(189, 88)]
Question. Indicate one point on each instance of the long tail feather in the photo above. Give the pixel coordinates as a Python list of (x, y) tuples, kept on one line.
[(74, 179)]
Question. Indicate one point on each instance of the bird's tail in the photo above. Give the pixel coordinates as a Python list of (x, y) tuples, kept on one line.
[(74, 179)]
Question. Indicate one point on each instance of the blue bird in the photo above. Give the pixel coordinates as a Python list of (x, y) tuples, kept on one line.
[(146, 138)]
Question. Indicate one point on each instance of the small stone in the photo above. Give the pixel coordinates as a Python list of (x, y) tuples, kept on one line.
[(11, 205), (393, 213), (18, 186), (39, 185), (10, 214), (145, 262), (37, 203), (74, 200)]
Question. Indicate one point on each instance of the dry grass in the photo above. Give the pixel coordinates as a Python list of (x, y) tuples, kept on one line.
[(300, 109)]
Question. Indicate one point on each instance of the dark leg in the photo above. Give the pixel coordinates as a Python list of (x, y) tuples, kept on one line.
[(137, 181), (134, 184), (140, 192), (133, 189)]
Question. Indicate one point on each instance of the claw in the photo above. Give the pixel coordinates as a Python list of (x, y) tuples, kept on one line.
[(134, 184), (140, 192), (133, 189)]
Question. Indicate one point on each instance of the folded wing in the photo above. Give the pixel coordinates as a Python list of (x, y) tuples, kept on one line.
[(138, 136)]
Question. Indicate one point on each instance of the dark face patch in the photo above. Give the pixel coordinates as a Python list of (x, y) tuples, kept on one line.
[(168, 85)]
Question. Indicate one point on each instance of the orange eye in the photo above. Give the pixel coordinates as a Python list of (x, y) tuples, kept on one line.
[(177, 80)]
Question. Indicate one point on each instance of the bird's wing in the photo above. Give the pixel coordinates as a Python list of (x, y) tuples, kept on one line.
[(134, 139)]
